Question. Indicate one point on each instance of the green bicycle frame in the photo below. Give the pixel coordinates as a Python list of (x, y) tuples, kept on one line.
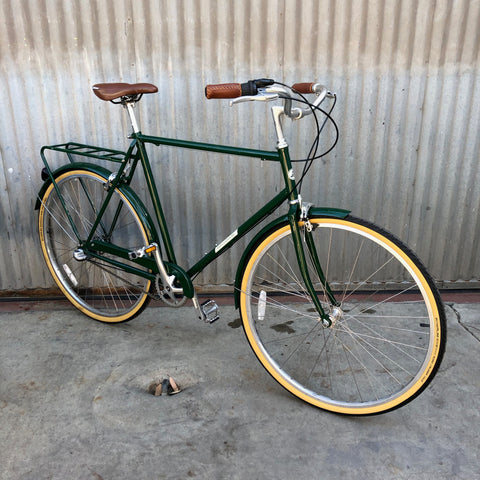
[(138, 154), (290, 193), (243, 229)]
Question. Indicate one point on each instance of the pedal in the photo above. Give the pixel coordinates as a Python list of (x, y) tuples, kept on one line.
[(209, 311)]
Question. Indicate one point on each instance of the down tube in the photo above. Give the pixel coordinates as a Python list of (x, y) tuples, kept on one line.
[(241, 231)]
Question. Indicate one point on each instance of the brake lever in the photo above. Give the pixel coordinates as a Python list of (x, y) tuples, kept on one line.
[(264, 97)]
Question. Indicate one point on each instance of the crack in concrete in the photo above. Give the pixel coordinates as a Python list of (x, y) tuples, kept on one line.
[(458, 315)]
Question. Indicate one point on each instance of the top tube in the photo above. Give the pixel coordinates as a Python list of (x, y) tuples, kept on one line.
[(210, 147)]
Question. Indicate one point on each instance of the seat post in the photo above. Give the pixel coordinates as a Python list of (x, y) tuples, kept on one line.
[(129, 106)]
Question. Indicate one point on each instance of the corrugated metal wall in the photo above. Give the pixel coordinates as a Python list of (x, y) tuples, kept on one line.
[(406, 74)]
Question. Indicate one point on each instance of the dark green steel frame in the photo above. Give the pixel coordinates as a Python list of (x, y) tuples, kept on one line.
[(255, 219), (137, 153)]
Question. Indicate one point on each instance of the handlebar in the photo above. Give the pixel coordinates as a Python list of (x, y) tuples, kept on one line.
[(263, 90), (267, 90)]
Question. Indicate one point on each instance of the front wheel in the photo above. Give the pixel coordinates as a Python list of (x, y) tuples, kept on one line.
[(388, 330)]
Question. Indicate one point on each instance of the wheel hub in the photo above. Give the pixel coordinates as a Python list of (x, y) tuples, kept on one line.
[(335, 315), (79, 255)]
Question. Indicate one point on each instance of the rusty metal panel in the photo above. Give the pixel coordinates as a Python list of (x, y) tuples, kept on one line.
[(406, 74)]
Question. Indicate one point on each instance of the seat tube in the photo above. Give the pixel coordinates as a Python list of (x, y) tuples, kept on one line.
[(157, 205)]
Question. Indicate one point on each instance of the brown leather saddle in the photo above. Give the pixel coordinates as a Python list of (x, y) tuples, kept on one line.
[(112, 91)]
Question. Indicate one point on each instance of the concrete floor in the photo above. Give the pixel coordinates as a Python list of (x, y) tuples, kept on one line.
[(74, 404)]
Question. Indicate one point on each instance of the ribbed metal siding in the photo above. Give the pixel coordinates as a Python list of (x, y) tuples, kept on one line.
[(406, 74)]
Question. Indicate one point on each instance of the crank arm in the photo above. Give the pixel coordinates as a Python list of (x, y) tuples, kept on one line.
[(167, 280)]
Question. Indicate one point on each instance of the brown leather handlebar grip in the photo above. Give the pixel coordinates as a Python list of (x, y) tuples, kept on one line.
[(303, 87), (224, 90)]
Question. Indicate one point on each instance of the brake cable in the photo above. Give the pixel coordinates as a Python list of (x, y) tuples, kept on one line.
[(312, 154)]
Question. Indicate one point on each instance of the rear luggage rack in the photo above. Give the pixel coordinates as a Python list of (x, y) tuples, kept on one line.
[(73, 148)]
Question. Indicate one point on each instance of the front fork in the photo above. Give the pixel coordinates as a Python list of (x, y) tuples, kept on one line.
[(307, 238), (298, 213)]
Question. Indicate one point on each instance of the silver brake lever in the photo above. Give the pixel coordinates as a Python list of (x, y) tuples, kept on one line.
[(264, 97)]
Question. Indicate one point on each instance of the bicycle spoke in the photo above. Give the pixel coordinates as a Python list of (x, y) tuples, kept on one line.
[(105, 294)]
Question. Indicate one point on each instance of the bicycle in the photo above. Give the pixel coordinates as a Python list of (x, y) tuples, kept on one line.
[(339, 311)]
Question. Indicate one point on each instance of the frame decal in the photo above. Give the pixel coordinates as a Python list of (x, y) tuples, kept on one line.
[(226, 241)]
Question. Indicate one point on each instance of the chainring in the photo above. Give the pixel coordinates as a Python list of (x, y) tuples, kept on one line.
[(164, 297)]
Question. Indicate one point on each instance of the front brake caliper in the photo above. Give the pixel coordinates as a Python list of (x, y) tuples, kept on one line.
[(304, 216)]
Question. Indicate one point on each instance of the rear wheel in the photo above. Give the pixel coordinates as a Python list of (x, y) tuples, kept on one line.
[(388, 330), (96, 287)]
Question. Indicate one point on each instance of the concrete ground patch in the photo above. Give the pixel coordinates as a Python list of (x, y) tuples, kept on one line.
[(74, 404)]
